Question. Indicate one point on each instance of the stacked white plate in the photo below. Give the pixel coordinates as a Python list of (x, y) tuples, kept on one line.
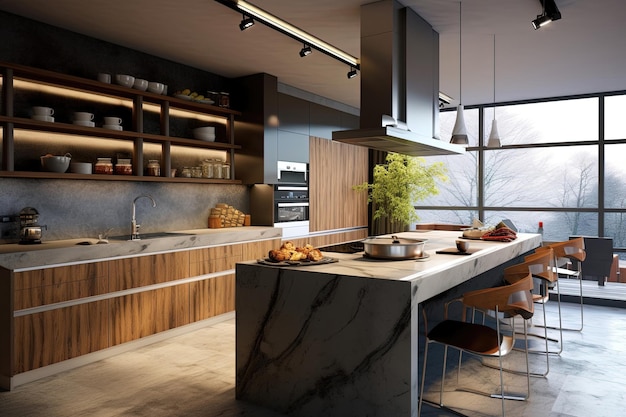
[(112, 127), (86, 123), (43, 118)]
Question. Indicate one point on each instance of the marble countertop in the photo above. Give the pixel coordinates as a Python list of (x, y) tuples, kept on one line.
[(72, 251), (448, 270)]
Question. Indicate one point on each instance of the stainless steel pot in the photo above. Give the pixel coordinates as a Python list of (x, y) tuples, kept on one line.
[(393, 248)]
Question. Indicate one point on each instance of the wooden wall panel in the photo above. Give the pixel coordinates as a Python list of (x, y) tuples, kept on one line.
[(53, 336), (147, 270), (334, 168), (53, 285)]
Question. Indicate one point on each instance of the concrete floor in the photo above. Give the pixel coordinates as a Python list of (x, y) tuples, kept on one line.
[(194, 375)]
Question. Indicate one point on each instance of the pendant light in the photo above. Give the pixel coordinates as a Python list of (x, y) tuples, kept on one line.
[(494, 136), (459, 132)]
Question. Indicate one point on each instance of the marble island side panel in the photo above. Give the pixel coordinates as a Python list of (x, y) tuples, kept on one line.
[(341, 339)]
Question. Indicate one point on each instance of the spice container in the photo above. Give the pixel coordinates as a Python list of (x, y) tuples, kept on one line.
[(186, 172), (154, 168), (217, 169), (207, 168), (103, 166), (224, 99), (196, 172), (123, 167), (226, 171)]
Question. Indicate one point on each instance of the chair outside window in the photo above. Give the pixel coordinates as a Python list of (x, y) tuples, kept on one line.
[(481, 339)]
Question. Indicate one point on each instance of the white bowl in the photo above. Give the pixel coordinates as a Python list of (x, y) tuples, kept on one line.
[(156, 88), (140, 84), (81, 167), (125, 80), (52, 163), (205, 133)]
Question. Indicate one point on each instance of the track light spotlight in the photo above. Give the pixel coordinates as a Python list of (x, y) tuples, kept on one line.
[(246, 22), (541, 20), (352, 73), (305, 51)]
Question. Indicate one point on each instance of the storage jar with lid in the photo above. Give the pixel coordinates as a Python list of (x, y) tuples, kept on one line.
[(103, 166), (123, 167), (154, 168), (186, 172), (196, 172), (217, 169), (224, 99), (226, 171), (207, 168)]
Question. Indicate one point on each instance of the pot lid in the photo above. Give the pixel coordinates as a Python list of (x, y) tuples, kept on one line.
[(393, 240)]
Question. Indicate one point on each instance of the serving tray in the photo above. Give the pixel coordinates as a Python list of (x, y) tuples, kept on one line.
[(304, 262)]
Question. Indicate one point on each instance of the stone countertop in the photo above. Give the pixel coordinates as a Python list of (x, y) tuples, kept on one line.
[(72, 251), (445, 270)]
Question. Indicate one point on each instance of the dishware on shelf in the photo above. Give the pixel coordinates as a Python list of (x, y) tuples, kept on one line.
[(56, 163), (125, 80), (104, 78), (83, 116), (140, 84), (43, 111), (81, 167), (109, 120), (112, 127), (155, 87), (42, 118), (206, 133), (85, 123), (462, 245)]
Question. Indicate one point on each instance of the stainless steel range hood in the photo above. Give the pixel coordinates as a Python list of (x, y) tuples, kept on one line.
[(399, 82)]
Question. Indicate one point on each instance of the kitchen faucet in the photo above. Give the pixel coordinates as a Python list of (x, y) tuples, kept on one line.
[(134, 231)]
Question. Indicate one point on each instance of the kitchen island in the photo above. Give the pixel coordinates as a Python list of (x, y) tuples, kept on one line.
[(342, 339)]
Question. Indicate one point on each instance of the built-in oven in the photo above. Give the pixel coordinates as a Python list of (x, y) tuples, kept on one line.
[(291, 203)]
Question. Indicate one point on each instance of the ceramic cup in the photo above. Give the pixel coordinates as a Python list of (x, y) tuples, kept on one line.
[(43, 111), (112, 121), (83, 116), (462, 245), (104, 78), (140, 84)]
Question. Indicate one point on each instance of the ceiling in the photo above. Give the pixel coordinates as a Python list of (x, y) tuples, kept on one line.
[(583, 52)]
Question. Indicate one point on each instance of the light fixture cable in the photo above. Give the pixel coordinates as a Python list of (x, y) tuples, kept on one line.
[(459, 132), (494, 136)]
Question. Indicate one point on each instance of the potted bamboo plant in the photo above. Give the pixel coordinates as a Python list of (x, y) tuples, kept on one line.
[(397, 185)]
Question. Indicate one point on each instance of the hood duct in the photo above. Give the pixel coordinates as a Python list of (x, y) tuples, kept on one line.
[(399, 84)]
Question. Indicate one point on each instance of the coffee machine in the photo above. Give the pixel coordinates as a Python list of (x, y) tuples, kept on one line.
[(30, 230)]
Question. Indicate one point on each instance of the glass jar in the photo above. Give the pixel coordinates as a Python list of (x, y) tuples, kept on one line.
[(154, 168), (207, 168), (123, 167), (217, 169), (103, 166), (196, 172), (213, 96), (186, 172), (224, 99), (226, 171)]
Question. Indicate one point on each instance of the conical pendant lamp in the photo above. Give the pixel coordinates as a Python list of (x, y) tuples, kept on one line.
[(459, 132), (494, 136)]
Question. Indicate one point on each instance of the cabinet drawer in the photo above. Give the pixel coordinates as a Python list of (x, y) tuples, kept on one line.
[(212, 297), (53, 285), (148, 270), (53, 336), (209, 260)]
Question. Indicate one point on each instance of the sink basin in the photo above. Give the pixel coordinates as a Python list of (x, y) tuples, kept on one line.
[(145, 236)]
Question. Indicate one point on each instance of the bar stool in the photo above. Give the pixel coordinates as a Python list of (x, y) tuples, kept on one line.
[(569, 251), (481, 339)]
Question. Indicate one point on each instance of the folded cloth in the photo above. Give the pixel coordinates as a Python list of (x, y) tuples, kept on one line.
[(501, 234)]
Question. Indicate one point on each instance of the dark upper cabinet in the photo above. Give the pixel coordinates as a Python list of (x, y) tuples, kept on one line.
[(324, 121), (293, 147), (293, 114)]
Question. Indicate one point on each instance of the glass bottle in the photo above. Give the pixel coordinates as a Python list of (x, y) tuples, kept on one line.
[(154, 168)]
